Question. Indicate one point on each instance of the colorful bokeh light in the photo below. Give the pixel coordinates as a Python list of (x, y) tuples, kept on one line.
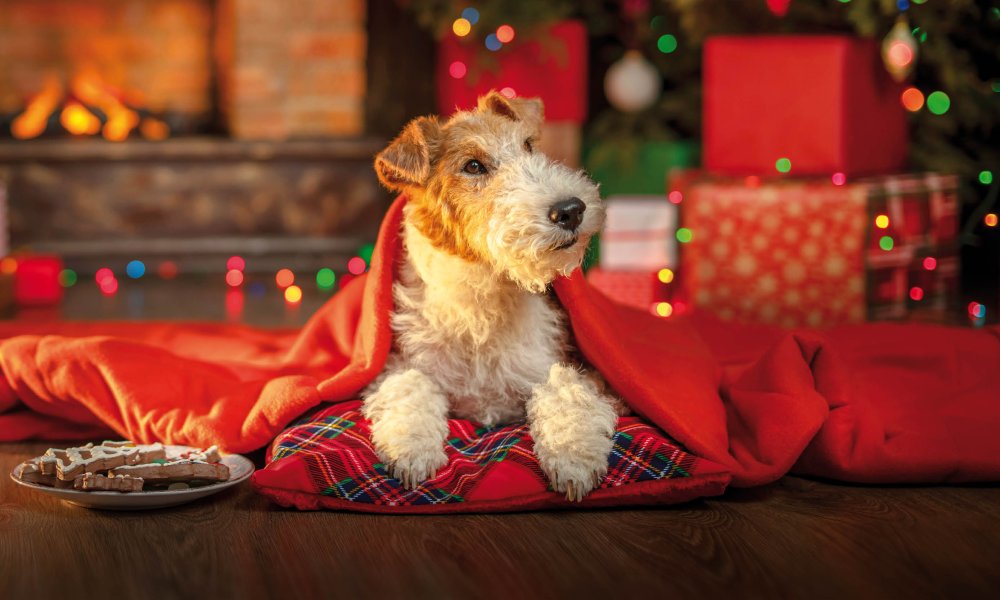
[(234, 278), (930, 263), (977, 310), (666, 43), (990, 220), (508, 92), (493, 43), (135, 269), (664, 309), (886, 243), (293, 294), (236, 262), (938, 103), (284, 278), (882, 221), (684, 235), (356, 266), (457, 69), (912, 99), (471, 15), (103, 274), (916, 293), (986, 177), (325, 278), (67, 278), (167, 270), (665, 275), (899, 54), (109, 286), (675, 197), (838, 179), (505, 33), (783, 165), (461, 27)]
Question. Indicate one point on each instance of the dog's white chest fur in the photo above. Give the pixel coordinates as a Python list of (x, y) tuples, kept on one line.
[(486, 342)]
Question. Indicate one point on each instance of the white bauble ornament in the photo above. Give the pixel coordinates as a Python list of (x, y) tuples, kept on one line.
[(632, 83)]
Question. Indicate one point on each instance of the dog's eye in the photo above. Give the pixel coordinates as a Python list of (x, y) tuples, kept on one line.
[(528, 146), (474, 167)]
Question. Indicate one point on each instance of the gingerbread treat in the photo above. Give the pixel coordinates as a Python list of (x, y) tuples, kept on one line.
[(118, 483), (176, 470)]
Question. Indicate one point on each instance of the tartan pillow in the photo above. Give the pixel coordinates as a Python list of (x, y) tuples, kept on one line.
[(326, 460)]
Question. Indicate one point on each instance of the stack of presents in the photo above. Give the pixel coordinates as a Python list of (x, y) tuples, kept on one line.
[(802, 213)]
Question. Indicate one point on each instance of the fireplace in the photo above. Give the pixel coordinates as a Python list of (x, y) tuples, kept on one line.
[(117, 69), (186, 129), (145, 69)]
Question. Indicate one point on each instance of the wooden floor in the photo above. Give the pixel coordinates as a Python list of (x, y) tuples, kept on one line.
[(796, 538)]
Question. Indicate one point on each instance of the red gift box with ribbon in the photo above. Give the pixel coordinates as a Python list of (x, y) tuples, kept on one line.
[(799, 252), (824, 103)]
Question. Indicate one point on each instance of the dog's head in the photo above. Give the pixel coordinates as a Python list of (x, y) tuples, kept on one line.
[(479, 189)]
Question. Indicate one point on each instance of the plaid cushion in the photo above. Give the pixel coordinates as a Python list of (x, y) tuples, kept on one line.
[(335, 446)]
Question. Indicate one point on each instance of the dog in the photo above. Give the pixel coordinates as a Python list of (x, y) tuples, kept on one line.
[(489, 223)]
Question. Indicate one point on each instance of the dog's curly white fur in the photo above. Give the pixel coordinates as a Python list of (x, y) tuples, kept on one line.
[(475, 334)]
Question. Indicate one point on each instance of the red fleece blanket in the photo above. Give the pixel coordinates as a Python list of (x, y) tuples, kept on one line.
[(867, 403)]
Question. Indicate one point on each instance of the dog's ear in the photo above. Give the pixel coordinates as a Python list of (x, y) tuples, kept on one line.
[(406, 162), (528, 110)]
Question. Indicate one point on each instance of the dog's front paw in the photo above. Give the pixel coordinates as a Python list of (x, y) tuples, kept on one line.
[(414, 466), (578, 474)]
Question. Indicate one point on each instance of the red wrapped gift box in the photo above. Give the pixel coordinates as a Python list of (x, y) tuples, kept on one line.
[(808, 252), (552, 65), (826, 103)]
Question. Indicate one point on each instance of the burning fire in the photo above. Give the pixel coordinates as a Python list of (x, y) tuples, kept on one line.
[(89, 107)]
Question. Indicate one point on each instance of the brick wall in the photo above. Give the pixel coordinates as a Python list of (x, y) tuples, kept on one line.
[(294, 68), (160, 48)]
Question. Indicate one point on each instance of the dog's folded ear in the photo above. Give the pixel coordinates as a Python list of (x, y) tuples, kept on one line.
[(406, 162), (528, 110)]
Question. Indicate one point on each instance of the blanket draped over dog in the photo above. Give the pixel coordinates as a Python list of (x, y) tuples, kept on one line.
[(864, 403)]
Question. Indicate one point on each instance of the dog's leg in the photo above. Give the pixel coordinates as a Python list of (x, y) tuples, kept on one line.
[(409, 416), (572, 423)]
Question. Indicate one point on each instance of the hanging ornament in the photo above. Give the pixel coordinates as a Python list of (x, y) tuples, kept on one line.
[(633, 83), (899, 50), (778, 7)]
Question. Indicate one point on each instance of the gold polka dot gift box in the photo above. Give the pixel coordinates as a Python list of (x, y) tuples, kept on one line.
[(819, 251)]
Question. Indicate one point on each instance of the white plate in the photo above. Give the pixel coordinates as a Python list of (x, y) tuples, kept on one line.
[(240, 468)]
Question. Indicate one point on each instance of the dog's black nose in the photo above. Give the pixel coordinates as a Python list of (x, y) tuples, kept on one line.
[(567, 214)]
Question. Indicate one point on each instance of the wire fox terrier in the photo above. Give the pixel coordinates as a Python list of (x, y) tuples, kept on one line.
[(490, 222)]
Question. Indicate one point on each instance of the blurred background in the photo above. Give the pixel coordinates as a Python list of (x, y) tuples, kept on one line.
[(797, 162)]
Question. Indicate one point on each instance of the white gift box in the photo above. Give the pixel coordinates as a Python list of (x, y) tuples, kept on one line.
[(639, 234)]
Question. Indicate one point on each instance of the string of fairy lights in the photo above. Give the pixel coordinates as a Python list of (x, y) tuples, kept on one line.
[(325, 279)]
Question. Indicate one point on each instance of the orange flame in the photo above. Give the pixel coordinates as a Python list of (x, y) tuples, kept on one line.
[(78, 120), (31, 123), (87, 90)]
